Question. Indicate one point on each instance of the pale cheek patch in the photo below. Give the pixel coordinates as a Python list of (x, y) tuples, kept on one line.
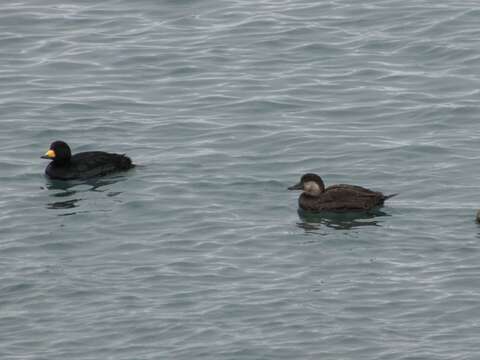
[(311, 188)]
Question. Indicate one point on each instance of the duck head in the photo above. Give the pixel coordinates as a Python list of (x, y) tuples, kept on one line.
[(59, 152), (311, 184)]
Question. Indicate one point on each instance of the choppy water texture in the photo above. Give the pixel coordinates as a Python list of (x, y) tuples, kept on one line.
[(199, 252)]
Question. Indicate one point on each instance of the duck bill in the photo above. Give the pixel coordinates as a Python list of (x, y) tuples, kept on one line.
[(49, 155), (298, 186)]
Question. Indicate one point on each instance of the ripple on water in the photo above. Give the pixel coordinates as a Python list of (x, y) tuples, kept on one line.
[(200, 251)]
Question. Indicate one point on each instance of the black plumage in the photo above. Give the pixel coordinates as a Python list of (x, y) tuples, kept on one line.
[(65, 166), (316, 197)]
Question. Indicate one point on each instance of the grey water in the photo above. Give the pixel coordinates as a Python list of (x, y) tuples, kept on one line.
[(199, 252)]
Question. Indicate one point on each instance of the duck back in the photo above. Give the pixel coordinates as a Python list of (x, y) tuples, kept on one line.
[(343, 197)]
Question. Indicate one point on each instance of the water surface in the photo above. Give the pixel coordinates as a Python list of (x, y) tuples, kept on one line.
[(199, 252)]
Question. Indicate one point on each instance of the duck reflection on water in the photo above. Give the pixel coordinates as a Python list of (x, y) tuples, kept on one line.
[(68, 194), (311, 221)]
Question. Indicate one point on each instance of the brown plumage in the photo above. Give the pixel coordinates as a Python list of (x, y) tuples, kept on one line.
[(316, 197)]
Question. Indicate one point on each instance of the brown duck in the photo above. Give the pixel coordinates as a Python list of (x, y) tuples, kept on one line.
[(316, 197)]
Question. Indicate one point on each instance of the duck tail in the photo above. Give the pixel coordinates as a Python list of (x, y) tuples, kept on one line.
[(126, 162), (389, 196)]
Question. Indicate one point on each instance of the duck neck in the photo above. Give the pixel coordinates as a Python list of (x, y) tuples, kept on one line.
[(60, 162)]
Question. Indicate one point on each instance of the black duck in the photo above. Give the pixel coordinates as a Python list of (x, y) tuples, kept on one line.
[(65, 166)]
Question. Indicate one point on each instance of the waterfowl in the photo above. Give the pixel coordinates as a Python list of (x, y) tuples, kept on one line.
[(316, 197), (65, 166)]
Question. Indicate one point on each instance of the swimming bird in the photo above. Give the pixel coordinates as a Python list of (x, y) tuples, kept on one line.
[(316, 197), (65, 166)]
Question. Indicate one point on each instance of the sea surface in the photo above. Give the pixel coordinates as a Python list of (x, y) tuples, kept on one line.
[(199, 252)]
